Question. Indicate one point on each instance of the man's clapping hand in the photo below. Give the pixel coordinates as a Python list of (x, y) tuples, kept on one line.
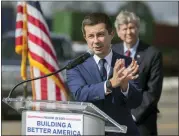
[(122, 75)]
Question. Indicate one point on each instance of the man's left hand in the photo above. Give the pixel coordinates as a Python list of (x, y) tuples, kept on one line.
[(129, 73)]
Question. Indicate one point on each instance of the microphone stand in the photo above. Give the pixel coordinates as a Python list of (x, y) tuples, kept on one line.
[(70, 65)]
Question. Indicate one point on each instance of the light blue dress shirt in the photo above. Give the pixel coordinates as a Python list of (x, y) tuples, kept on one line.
[(132, 50)]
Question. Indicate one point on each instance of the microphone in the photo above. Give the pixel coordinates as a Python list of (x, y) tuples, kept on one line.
[(79, 59), (70, 65)]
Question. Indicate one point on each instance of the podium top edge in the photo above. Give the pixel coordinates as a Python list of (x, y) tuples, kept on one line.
[(7, 100)]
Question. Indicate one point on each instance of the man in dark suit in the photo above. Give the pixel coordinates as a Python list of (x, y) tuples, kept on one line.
[(106, 79), (149, 60)]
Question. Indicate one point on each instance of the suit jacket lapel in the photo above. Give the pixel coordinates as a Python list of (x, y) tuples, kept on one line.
[(139, 53), (92, 68), (121, 49)]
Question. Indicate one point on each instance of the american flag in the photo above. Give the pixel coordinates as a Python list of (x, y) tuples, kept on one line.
[(33, 42)]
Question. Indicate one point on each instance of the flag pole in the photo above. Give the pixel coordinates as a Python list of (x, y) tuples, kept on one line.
[(24, 51)]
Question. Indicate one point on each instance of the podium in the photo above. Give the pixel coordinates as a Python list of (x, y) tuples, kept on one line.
[(43, 117)]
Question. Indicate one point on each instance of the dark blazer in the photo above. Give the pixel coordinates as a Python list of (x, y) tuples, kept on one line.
[(151, 78), (86, 85)]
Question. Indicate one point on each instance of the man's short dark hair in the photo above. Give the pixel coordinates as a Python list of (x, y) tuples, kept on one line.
[(96, 18)]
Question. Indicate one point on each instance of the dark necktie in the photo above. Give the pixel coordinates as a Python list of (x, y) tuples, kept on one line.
[(102, 69), (128, 53)]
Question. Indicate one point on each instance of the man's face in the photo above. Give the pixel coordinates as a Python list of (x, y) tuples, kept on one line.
[(128, 33), (98, 39)]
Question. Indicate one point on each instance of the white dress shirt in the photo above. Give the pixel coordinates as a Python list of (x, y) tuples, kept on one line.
[(107, 66)]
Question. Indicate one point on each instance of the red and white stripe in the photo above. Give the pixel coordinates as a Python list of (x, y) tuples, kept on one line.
[(40, 49)]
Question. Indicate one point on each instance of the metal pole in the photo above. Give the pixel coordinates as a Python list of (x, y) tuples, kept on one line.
[(25, 90)]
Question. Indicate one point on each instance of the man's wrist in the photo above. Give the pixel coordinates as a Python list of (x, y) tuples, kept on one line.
[(124, 87), (109, 85), (112, 83)]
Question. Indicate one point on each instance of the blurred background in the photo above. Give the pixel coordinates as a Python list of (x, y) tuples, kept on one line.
[(159, 27)]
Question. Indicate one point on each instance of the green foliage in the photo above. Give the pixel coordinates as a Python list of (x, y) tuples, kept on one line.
[(69, 22)]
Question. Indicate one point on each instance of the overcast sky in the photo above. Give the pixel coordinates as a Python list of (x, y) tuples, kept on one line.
[(166, 12), (163, 11)]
